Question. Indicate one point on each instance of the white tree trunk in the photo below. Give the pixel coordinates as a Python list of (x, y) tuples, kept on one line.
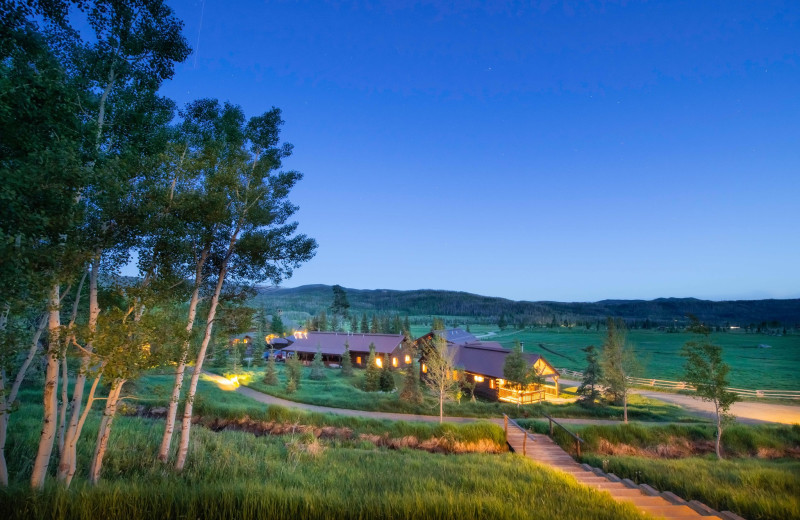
[(62, 414), (719, 430), (172, 412), (37, 335), (68, 460), (3, 429), (183, 448), (105, 430), (50, 403), (625, 406), (89, 402)]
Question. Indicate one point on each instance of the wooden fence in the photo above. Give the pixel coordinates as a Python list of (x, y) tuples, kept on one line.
[(680, 385)]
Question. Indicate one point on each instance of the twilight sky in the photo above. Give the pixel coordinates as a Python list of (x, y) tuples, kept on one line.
[(570, 151)]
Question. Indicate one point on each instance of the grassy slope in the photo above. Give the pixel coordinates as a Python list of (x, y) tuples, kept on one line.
[(751, 487), (235, 474), (339, 392)]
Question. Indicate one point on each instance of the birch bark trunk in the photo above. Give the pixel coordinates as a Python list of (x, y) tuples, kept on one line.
[(105, 430), (51, 382), (172, 412)]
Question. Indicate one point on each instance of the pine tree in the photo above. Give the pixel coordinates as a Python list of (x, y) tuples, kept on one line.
[(515, 368), (407, 325), (591, 377), (271, 372), (294, 371), (364, 323), (277, 325), (386, 380), (317, 367), (323, 321), (396, 326), (340, 304), (411, 392), (617, 363), (353, 323), (502, 323), (375, 327), (373, 373), (438, 324), (347, 362)]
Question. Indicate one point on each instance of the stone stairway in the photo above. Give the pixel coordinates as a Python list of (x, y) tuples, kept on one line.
[(659, 505)]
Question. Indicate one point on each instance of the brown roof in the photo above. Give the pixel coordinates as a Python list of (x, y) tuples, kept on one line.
[(332, 343), (487, 358)]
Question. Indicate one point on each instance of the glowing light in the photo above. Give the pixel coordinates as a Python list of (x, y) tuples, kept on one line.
[(379, 362), (234, 380), (424, 369), (394, 361), (146, 348), (479, 379), (408, 359)]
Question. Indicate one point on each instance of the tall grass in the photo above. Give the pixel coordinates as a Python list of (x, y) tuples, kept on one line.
[(233, 474)]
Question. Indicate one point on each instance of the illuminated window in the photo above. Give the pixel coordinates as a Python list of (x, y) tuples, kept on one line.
[(500, 382), (424, 368), (358, 360), (394, 361), (379, 362), (245, 340), (408, 359), (479, 379), (491, 383), (455, 374)]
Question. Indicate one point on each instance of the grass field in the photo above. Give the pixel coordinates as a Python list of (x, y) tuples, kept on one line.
[(658, 352), (234, 474)]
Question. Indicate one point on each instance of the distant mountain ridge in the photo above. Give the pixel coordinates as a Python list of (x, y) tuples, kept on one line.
[(661, 311)]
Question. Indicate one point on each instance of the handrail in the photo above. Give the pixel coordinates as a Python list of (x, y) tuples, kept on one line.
[(527, 436), (578, 440)]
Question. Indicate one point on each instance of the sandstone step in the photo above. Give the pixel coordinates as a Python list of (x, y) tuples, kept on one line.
[(672, 511)]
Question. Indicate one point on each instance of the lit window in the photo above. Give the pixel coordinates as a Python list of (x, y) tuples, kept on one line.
[(479, 379), (408, 359), (358, 360), (394, 361), (379, 362), (491, 383), (245, 340), (424, 369), (455, 374)]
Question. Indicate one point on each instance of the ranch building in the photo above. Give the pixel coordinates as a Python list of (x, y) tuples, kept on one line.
[(389, 348)]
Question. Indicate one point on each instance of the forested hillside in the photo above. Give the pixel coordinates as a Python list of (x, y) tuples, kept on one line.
[(660, 312)]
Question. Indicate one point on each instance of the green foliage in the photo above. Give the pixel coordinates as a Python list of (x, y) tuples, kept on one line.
[(340, 305), (517, 370), (347, 361), (386, 381), (271, 372), (294, 372), (438, 323), (277, 325), (411, 391), (592, 376), (317, 367), (372, 379), (502, 323), (364, 323), (616, 361)]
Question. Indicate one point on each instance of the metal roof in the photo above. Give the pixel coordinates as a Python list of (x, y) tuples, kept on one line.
[(488, 358), (332, 343)]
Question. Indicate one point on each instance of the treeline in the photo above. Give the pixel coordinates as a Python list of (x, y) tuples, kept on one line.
[(96, 166), (374, 323), (662, 312)]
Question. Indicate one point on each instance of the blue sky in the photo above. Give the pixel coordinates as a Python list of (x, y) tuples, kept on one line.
[(570, 151)]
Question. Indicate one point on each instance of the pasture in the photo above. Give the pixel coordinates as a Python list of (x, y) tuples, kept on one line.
[(658, 352)]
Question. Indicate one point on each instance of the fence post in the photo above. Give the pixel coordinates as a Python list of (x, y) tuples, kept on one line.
[(525, 443), (551, 426), (505, 424), (578, 448)]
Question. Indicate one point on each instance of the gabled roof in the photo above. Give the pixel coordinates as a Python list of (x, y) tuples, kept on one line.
[(332, 343), (453, 336), (488, 358)]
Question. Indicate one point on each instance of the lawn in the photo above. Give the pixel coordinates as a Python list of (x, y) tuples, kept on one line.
[(234, 474), (345, 392)]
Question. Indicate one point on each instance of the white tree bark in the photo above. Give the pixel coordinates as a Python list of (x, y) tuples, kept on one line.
[(172, 412), (50, 402), (68, 460), (105, 430)]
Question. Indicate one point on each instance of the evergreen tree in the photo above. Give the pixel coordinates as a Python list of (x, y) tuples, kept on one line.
[(353, 323), (438, 324), (334, 324), (515, 368), (502, 323), (407, 325), (591, 377), (386, 381), (340, 304), (271, 372), (294, 371), (385, 327), (323, 321), (412, 391), (364, 323), (372, 378), (277, 325), (347, 362), (317, 367), (375, 326)]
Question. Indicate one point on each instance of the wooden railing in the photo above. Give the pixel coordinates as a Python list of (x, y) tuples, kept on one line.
[(578, 440), (520, 396), (506, 420), (680, 385)]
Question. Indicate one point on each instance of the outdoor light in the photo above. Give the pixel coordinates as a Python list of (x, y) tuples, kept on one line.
[(379, 362)]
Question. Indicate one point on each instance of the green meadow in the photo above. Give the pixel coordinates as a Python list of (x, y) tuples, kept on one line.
[(658, 352)]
